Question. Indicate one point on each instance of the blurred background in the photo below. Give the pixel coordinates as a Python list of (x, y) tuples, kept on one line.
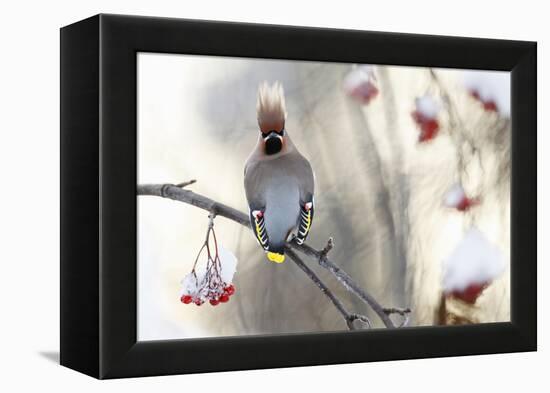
[(380, 188)]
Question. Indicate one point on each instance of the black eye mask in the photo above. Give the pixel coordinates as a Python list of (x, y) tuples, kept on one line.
[(265, 135)]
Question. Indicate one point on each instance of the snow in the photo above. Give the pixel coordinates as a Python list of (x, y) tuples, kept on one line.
[(228, 263), (360, 84), (427, 106), (491, 86), (454, 195), (189, 284), (474, 261), (357, 76)]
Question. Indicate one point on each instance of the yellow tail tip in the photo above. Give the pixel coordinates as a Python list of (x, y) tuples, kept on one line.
[(275, 257)]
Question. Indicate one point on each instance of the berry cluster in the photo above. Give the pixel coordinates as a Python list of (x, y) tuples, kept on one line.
[(470, 293), (212, 273), (429, 127), (214, 297), (488, 104), (456, 198), (467, 203), (425, 117), (360, 84), (364, 92), (471, 267)]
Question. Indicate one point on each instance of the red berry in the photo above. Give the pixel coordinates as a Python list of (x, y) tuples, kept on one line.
[(186, 299), (429, 130), (490, 106), (230, 290), (224, 298), (428, 126), (466, 203), (470, 293), (364, 92), (463, 205), (214, 302), (198, 302)]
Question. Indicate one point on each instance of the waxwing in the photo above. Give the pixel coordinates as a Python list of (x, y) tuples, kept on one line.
[(278, 180)]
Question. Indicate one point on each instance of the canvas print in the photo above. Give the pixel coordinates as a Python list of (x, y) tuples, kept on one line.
[(278, 196)]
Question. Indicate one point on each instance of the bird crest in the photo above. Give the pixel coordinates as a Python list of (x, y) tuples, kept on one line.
[(270, 106)]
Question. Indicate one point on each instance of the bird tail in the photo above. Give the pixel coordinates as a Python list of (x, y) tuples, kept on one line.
[(276, 257)]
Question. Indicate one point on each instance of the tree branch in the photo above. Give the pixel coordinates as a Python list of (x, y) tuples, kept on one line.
[(345, 279), (178, 194), (171, 191), (349, 318)]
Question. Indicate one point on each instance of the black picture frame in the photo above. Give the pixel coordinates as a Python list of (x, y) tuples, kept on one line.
[(98, 195)]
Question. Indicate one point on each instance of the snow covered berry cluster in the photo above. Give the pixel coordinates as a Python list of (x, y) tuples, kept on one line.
[(487, 89), (360, 84), (210, 280), (473, 265), (456, 198), (425, 116)]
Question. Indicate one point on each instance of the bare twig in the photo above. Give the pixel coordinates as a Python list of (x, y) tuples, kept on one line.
[(177, 193), (186, 183), (328, 247), (400, 311), (404, 312)]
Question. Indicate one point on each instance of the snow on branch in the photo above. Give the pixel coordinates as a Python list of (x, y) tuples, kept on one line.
[(178, 193)]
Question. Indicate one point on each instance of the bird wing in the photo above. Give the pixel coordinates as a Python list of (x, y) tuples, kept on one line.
[(305, 174), (257, 220), (305, 220)]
